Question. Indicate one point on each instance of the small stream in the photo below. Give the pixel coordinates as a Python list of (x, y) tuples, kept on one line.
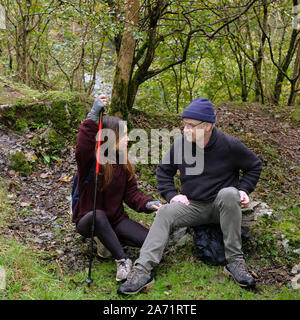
[(103, 83)]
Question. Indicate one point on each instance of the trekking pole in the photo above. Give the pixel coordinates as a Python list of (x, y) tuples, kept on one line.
[(89, 280)]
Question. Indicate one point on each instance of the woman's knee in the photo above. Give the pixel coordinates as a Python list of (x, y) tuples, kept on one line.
[(84, 226)]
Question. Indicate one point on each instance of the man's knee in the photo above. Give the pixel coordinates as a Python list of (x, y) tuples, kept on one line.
[(167, 212), (229, 195)]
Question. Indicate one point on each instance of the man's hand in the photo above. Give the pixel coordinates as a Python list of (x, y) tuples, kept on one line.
[(180, 198), (244, 198)]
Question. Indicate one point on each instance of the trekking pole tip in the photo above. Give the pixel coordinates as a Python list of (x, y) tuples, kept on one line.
[(89, 281)]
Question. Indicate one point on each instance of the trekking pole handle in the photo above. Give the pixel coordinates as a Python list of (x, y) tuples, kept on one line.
[(99, 141)]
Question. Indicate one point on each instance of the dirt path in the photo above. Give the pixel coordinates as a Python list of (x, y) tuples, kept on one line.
[(41, 201)]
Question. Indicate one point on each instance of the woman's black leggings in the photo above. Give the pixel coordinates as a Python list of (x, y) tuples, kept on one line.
[(127, 231)]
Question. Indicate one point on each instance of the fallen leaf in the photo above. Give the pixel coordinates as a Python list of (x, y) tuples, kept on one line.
[(25, 204), (31, 156), (12, 173), (199, 288), (45, 175), (65, 179)]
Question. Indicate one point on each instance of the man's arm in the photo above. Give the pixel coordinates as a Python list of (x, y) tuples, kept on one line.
[(249, 163), (165, 173)]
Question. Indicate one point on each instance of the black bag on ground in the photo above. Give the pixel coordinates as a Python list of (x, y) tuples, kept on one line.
[(210, 246)]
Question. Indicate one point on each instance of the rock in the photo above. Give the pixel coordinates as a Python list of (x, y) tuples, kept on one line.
[(2, 278), (69, 239), (48, 235), (285, 244), (294, 282), (296, 269), (37, 240), (254, 211), (283, 208), (180, 237)]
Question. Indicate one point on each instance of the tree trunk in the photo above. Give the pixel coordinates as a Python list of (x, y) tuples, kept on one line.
[(285, 64), (258, 83), (125, 58), (296, 78)]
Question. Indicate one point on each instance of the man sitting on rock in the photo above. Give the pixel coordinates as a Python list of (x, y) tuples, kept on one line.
[(214, 195)]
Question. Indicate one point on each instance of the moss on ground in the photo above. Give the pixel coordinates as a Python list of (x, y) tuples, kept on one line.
[(295, 114), (48, 142), (20, 164)]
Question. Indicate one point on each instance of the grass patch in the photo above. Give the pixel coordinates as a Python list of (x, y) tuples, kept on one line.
[(32, 276)]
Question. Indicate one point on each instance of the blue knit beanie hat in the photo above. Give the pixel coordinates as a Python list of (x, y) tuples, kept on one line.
[(200, 109)]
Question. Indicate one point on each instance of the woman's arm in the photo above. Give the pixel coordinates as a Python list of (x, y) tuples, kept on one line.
[(134, 198), (86, 139), (85, 147)]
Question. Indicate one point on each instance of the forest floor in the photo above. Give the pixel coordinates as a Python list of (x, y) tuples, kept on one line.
[(46, 259)]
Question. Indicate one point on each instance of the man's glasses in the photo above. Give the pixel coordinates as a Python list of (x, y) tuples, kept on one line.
[(191, 125)]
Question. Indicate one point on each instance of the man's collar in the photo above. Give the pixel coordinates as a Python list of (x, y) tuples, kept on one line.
[(211, 140)]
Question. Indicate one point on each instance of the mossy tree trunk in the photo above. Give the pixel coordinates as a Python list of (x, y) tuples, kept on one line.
[(295, 87), (133, 63), (125, 59), (283, 66)]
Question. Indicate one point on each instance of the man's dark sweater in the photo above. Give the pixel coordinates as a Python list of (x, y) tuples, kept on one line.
[(224, 157), (120, 189)]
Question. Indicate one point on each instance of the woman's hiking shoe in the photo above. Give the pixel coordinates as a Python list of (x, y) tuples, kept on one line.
[(137, 280), (238, 271), (102, 251), (123, 269)]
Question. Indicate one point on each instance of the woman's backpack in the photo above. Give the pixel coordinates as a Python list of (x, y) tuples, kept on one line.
[(210, 246), (76, 193)]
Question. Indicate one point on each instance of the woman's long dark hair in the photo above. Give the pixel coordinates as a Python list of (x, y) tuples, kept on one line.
[(116, 124)]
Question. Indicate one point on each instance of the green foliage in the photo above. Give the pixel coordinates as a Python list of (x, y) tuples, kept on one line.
[(295, 114), (59, 116), (21, 124), (20, 164), (148, 175), (62, 51), (48, 143), (9, 116)]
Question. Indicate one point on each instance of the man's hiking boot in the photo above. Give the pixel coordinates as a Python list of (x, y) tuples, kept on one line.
[(123, 269), (102, 251), (238, 271), (137, 280)]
